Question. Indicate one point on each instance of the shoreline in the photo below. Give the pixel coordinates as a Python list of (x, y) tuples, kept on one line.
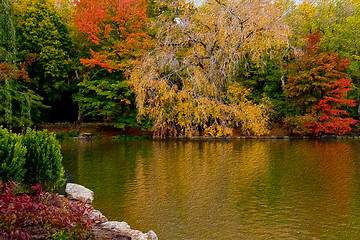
[(103, 130)]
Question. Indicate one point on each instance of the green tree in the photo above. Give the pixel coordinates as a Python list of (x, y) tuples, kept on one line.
[(43, 42), (19, 104), (107, 98), (265, 79)]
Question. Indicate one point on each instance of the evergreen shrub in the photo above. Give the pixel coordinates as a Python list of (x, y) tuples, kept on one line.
[(43, 159), (12, 156)]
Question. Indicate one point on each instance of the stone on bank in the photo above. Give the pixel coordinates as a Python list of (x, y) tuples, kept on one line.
[(80, 193)]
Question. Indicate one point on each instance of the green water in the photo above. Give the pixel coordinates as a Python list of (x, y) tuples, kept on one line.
[(240, 189)]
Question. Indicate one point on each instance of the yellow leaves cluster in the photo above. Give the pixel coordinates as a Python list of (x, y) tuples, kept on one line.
[(356, 57)]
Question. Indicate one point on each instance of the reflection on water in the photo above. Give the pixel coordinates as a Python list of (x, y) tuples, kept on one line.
[(245, 189)]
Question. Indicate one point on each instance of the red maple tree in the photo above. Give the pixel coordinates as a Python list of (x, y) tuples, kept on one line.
[(116, 28)]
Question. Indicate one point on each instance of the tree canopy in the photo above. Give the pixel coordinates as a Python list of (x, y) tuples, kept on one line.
[(185, 84), (43, 42), (117, 30)]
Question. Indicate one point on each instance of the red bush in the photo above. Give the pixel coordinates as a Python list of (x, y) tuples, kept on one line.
[(21, 214), (332, 119)]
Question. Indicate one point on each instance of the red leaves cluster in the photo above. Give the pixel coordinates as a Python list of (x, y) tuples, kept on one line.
[(96, 60), (47, 213), (98, 18), (335, 126), (331, 120), (312, 42), (116, 27), (8, 71)]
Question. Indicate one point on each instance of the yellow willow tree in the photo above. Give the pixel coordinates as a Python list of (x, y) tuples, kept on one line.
[(186, 85)]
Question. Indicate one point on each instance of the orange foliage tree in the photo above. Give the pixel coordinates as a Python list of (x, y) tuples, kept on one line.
[(317, 91), (116, 28), (117, 37)]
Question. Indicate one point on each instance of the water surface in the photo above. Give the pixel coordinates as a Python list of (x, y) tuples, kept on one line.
[(239, 189)]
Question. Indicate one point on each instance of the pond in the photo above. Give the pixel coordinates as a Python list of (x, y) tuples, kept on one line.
[(230, 189)]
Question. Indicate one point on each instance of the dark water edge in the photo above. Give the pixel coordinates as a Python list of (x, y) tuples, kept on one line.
[(237, 189)]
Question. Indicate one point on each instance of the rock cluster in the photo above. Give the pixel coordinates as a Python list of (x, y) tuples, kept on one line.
[(105, 229)]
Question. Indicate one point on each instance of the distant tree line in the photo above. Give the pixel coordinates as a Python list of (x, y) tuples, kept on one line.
[(182, 69)]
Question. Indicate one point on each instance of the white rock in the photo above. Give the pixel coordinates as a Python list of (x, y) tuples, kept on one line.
[(138, 235), (141, 236), (151, 235), (78, 192), (115, 225), (98, 216)]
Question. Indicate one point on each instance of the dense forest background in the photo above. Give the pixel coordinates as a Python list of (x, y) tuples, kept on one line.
[(182, 69)]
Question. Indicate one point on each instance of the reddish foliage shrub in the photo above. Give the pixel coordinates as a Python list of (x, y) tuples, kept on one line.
[(317, 90), (331, 120), (45, 212)]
